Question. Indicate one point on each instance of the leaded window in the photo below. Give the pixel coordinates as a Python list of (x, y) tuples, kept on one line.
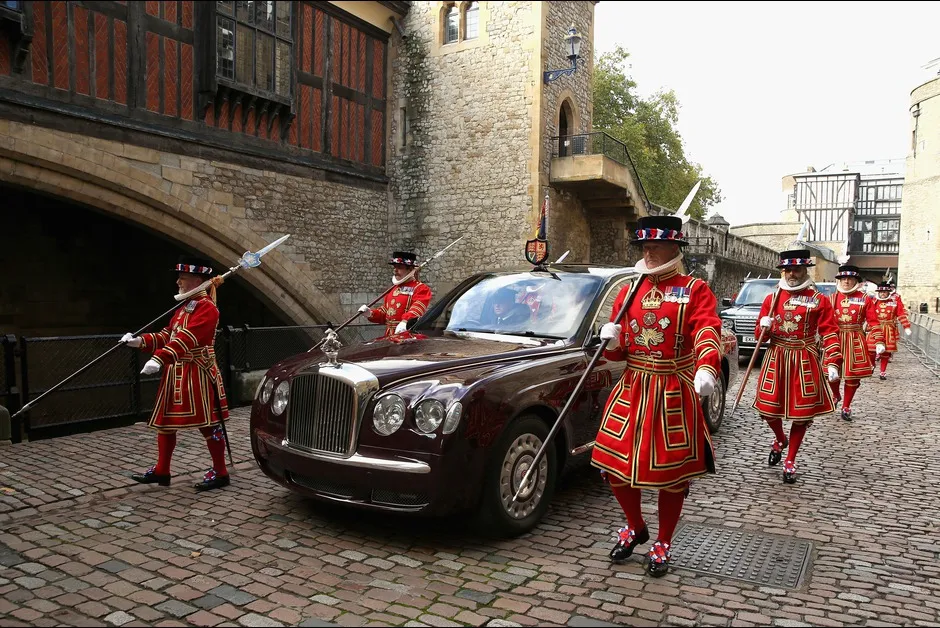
[(254, 45), (473, 20), (452, 25)]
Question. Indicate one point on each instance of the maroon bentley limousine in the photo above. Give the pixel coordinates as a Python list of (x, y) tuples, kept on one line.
[(448, 416)]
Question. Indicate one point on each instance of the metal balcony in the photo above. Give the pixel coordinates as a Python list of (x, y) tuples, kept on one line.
[(597, 169)]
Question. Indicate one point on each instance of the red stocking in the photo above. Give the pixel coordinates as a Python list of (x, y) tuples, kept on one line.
[(166, 443), (670, 507), (835, 390), (777, 426), (885, 358), (629, 499), (797, 431), (850, 390), (215, 441)]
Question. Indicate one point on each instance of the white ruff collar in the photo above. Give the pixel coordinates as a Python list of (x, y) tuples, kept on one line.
[(803, 286), (881, 298), (659, 270)]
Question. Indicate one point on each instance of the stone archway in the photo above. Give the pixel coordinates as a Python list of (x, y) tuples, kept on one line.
[(568, 125), (105, 175)]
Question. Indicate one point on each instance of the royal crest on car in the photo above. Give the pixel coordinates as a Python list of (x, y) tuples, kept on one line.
[(536, 251)]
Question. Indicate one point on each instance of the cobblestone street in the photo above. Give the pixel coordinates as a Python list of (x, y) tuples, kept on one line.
[(80, 544)]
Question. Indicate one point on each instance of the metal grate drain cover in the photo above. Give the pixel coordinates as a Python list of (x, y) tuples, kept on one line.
[(777, 561)]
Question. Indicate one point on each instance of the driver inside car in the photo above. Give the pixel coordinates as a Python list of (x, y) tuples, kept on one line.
[(507, 314)]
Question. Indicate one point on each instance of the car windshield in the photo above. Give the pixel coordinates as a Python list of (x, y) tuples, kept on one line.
[(754, 292), (537, 305), (826, 288)]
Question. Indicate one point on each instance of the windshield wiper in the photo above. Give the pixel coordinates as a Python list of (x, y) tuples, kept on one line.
[(531, 334)]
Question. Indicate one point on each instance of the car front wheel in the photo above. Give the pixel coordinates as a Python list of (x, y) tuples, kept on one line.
[(714, 406), (509, 461)]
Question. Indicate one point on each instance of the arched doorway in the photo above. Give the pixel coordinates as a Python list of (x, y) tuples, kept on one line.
[(565, 128), (90, 174), (78, 271)]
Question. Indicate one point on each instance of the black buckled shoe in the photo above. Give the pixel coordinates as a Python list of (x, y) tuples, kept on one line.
[(626, 541), (149, 477), (846, 414), (776, 451), (212, 480), (657, 564), (789, 473), (882, 377)]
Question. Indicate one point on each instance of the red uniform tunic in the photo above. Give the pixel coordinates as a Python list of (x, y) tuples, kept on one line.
[(792, 384), (653, 433), (889, 313), (854, 314), (191, 392), (406, 301)]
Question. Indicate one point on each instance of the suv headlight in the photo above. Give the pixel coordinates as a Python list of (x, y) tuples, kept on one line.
[(388, 415), (267, 387), (279, 403), (429, 415), (727, 323)]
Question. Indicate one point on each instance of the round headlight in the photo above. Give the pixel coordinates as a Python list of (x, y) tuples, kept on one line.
[(727, 323), (388, 415), (429, 415), (266, 389), (453, 418), (281, 393)]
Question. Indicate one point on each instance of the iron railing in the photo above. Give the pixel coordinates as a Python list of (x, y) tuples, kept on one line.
[(113, 393), (9, 392), (597, 143), (924, 340)]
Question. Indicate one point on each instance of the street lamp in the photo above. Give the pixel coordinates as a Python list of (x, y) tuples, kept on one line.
[(572, 51)]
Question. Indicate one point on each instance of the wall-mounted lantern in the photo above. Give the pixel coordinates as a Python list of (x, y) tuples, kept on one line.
[(572, 51)]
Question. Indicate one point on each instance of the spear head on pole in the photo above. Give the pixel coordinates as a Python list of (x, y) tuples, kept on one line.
[(246, 261)]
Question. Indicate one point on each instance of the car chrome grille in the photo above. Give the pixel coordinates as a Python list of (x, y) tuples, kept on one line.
[(321, 414)]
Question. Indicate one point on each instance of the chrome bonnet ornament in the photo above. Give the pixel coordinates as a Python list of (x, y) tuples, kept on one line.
[(330, 347)]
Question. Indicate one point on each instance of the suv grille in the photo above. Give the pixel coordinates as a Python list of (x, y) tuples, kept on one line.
[(321, 414), (745, 325)]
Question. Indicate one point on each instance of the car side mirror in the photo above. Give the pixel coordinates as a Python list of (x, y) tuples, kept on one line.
[(726, 301)]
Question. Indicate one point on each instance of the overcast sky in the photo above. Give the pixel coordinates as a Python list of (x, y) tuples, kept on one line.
[(768, 89)]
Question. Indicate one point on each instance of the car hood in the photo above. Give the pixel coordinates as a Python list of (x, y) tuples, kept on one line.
[(415, 356), (735, 310)]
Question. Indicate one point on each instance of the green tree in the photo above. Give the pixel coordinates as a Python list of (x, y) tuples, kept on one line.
[(648, 128)]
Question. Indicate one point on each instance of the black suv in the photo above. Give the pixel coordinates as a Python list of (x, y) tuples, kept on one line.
[(740, 315)]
